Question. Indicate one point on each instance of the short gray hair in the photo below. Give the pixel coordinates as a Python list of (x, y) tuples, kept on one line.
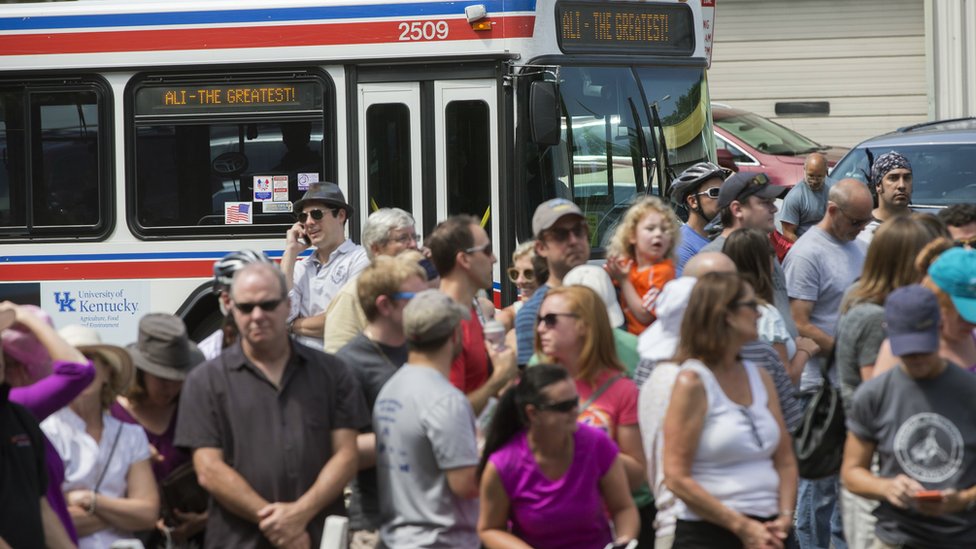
[(376, 230)]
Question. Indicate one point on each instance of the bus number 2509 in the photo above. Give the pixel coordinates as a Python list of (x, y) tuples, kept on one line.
[(423, 30)]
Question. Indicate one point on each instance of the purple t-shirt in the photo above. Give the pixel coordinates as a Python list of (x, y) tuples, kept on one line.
[(172, 456), (566, 513), (48, 395)]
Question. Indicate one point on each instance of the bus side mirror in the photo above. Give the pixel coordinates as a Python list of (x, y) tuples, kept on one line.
[(544, 113)]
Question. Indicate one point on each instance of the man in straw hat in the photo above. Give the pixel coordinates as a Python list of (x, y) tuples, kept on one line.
[(315, 280), (272, 425)]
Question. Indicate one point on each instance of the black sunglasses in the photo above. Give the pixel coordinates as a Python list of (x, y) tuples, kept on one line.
[(551, 319), (514, 273), (563, 407), (561, 234), (248, 308), (316, 214)]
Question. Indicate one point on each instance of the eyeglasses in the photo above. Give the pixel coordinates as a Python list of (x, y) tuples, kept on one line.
[(752, 426), (316, 214), (484, 248), (854, 221), (562, 407), (404, 238), (710, 193), (528, 274), (561, 234), (551, 319), (403, 295), (961, 243), (753, 304), (248, 308)]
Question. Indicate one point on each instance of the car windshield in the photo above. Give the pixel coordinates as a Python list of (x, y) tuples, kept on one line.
[(942, 174), (765, 135)]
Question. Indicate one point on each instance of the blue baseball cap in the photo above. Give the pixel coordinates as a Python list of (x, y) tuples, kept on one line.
[(954, 272), (912, 320)]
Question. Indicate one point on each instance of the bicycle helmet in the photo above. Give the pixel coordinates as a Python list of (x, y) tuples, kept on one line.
[(692, 178), (226, 266)]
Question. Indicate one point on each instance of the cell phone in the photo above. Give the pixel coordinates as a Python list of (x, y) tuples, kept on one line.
[(303, 241), (928, 495)]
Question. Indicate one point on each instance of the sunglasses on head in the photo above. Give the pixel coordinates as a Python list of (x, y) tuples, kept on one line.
[(561, 234), (316, 214), (248, 308), (710, 193), (528, 274), (551, 319), (563, 407)]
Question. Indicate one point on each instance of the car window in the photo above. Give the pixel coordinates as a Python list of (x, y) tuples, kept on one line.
[(738, 155), (765, 135)]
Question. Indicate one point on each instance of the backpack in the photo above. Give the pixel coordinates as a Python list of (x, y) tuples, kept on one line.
[(819, 440)]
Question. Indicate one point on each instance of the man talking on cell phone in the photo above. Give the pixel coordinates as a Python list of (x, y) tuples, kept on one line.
[(314, 280)]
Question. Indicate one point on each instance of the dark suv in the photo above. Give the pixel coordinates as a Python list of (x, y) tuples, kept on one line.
[(943, 157)]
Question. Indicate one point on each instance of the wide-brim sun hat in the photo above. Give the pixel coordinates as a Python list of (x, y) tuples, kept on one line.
[(87, 340)]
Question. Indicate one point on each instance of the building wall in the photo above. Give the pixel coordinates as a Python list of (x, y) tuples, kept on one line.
[(867, 58), (951, 48)]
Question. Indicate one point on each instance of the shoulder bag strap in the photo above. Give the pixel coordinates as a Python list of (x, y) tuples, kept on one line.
[(596, 394), (111, 453)]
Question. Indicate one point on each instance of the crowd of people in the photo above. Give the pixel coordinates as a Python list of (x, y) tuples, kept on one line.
[(650, 401)]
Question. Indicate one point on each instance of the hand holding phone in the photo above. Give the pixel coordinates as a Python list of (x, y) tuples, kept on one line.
[(933, 496)]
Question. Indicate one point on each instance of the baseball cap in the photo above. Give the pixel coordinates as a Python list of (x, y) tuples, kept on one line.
[(549, 212), (596, 278), (432, 315), (912, 320), (954, 272), (742, 185)]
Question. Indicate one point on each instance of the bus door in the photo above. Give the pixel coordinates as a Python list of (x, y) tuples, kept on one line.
[(390, 148)]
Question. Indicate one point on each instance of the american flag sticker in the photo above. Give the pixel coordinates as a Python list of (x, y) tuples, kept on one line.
[(237, 213)]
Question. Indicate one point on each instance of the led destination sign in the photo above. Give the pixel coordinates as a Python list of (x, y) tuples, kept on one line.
[(193, 99), (625, 28)]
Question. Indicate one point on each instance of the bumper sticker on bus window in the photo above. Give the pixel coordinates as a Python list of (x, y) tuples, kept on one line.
[(277, 207), (304, 179), (111, 307), (238, 213), (280, 183), (262, 188)]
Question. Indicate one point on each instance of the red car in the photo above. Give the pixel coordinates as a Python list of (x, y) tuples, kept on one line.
[(747, 142)]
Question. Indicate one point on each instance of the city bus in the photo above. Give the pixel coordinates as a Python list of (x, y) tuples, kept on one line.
[(141, 141)]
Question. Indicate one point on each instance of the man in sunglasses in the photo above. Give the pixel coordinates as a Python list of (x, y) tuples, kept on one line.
[(820, 267), (805, 204), (562, 239), (745, 201), (461, 251), (891, 176), (697, 189), (316, 279), (960, 219), (265, 420)]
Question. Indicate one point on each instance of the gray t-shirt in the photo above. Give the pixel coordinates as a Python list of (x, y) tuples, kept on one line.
[(424, 427), (373, 364), (860, 332), (781, 299), (804, 207), (820, 268), (926, 429)]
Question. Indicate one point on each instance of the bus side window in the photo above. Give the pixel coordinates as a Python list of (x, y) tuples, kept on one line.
[(469, 158)]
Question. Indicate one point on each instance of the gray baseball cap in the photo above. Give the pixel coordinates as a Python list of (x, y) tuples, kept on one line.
[(432, 315), (549, 212)]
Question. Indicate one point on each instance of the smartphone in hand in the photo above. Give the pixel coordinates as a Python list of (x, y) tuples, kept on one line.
[(933, 496)]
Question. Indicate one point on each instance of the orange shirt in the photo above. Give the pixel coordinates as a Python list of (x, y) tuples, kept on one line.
[(648, 282)]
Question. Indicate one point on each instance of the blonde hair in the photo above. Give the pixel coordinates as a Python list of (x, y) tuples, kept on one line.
[(620, 243), (599, 350), (384, 277)]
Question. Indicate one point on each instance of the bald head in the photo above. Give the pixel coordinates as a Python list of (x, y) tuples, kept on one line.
[(849, 193), (815, 171), (848, 209), (708, 262)]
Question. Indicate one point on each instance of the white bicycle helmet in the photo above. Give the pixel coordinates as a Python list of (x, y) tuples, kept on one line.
[(226, 266), (692, 178)]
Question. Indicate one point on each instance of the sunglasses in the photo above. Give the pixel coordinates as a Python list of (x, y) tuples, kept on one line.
[(961, 243), (561, 234), (316, 214), (853, 221), (710, 193), (484, 248), (528, 274), (551, 319), (268, 306), (562, 407), (403, 295)]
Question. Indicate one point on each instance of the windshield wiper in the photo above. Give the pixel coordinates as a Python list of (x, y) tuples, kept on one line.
[(665, 164), (645, 155)]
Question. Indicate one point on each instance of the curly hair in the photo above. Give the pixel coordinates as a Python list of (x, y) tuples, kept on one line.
[(620, 243)]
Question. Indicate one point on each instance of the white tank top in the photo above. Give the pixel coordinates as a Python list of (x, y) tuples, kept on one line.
[(734, 457)]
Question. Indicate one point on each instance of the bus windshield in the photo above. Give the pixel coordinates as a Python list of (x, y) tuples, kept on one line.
[(614, 145)]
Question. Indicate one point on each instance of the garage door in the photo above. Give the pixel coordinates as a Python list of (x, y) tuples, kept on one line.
[(866, 58)]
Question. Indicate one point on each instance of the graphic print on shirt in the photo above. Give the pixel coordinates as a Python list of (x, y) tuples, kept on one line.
[(929, 448), (340, 274), (597, 418)]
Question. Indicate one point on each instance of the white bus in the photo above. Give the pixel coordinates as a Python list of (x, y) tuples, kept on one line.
[(141, 141)]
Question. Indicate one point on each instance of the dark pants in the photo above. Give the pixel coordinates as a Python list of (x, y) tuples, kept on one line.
[(700, 534)]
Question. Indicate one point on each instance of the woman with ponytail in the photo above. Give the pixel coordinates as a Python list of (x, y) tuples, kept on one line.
[(553, 481)]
